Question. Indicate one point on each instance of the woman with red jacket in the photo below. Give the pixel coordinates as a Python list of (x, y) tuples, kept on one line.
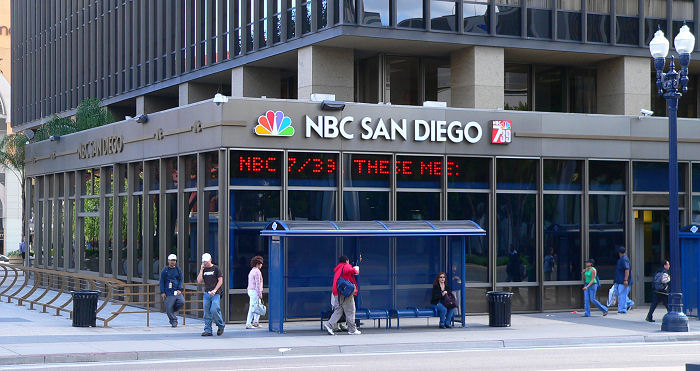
[(345, 304)]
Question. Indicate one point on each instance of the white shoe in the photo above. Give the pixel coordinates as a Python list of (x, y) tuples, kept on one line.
[(356, 332), (329, 329), (249, 327)]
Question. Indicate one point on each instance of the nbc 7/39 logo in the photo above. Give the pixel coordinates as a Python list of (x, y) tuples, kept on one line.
[(501, 132)]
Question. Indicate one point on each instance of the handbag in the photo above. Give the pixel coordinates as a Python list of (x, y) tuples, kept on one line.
[(449, 300), (612, 296), (259, 308)]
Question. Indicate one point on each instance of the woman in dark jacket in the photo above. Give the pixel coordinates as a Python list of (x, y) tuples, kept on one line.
[(440, 290)]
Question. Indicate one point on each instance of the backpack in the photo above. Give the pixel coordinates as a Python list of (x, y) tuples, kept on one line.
[(661, 280), (345, 287)]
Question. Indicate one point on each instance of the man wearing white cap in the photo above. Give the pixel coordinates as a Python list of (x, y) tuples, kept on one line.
[(213, 280), (171, 289)]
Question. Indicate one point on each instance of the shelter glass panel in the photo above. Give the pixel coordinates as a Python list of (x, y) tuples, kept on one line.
[(476, 17), (418, 261), (516, 174), (366, 205), (607, 175), (364, 170), (262, 168), (417, 205), (475, 207), (563, 175), (516, 237), (562, 237), (409, 14), (309, 269), (606, 231)]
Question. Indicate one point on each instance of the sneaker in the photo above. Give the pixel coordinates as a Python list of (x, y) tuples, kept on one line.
[(329, 329), (207, 334), (247, 327), (605, 313), (342, 327), (256, 325), (173, 324), (442, 326), (220, 331), (650, 320), (356, 332)]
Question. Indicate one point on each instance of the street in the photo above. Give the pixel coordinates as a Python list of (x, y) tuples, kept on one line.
[(667, 356)]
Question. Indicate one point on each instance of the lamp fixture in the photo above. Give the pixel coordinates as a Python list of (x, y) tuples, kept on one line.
[(332, 105)]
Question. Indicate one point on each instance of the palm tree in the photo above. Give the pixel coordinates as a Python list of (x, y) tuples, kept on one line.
[(12, 148)]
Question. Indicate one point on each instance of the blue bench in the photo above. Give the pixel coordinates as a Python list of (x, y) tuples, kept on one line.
[(414, 312), (377, 315)]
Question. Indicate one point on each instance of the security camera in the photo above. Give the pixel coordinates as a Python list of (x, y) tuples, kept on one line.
[(141, 119), (645, 112), (220, 99), (55, 138)]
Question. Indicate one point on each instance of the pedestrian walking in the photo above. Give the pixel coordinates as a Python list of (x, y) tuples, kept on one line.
[(255, 291), (344, 276), (660, 287), (444, 300), (23, 247), (213, 280), (590, 275), (623, 281), (171, 289)]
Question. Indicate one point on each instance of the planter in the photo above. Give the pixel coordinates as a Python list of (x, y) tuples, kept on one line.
[(16, 260)]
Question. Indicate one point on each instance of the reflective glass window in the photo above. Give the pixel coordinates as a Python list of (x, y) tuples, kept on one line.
[(517, 87), (601, 6), (312, 169), (598, 28), (569, 26), (622, 7), (473, 206), (137, 237), (252, 168), (189, 176), (291, 18), (418, 171), (417, 206), (606, 231), (156, 264), (653, 176), (189, 235), (91, 248), (582, 90), (375, 12), (322, 13), (516, 237), (696, 177), (403, 74), (627, 30), (476, 17), (409, 14), (696, 210), (563, 175), (516, 174), (368, 80), (365, 205), (550, 89), (437, 80), (562, 237), (468, 172), (211, 241), (312, 205), (442, 14), (651, 25), (138, 176), (349, 11), (607, 175), (123, 239), (211, 167), (655, 8), (508, 18), (154, 174), (539, 19), (366, 170)]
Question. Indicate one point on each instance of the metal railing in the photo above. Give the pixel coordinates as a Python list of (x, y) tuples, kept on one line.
[(50, 290)]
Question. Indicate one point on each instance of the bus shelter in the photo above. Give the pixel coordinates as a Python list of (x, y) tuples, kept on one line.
[(398, 262)]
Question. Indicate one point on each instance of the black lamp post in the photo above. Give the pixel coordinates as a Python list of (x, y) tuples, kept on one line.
[(671, 85)]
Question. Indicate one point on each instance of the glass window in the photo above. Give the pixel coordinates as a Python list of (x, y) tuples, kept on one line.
[(61, 210), (475, 207), (263, 168), (409, 13), (606, 231), (562, 237), (508, 17), (417, 206), (123, 262), (468, 172), (437, 80), (191, 260), (211, 240), (107, 175), (211, 166), (322, 13), (651, 25), (312, 169), (349, 11), (607, 175), (653, 176), (696, 210), (366, 205), (656, 8), (403, 74), (539, 19), (598, 28), (516, 237), (442, 14), (516, 174), (291, 18), (418, 171), (476, 17), (190, 171), (550, 89), (517, 87), (156, 264), (154, 176), (602, 6), (582, 90), (306, 17), (696, 177), (364, 170), (627, 30), (91, 249), (622, 7), (137, 236), (375, 12), (368, 80), (311, 205), (563, 175), (569, 25), (109, 246)]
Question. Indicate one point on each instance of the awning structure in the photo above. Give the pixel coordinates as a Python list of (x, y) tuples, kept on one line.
[(280, 231)]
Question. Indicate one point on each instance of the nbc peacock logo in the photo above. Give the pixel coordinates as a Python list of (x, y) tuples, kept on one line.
[(274, 123)]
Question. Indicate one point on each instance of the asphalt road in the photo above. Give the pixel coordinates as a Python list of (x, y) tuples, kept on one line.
[(643, 357)]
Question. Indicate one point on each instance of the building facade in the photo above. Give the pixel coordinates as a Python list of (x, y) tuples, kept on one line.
[(580, 174)]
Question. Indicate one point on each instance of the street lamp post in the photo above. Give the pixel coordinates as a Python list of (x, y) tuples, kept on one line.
[(671, 85)]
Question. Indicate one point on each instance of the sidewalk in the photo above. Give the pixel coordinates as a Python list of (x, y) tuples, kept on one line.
[(29, 336)]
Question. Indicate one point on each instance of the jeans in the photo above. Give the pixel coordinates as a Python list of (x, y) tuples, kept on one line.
[(623, 300), (252, 317), (658, 297), (446, 315), (588, 297), (212, 311), (172, 304)]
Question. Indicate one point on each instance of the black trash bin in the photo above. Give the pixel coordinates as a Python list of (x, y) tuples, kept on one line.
[(85, 308), (499, 308)]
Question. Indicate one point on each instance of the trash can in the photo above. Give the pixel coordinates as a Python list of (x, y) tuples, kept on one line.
[(85, 308), (499, 308)]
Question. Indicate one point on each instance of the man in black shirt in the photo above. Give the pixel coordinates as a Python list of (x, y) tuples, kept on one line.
[(213, 280)]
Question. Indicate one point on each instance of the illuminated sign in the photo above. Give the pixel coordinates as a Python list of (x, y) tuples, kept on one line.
[(312, 169), (101, 147), (501, 131), (274, 124), (256, 168)]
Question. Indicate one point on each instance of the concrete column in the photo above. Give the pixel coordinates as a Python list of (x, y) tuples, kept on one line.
[(476, 78), (624, 85), (256, 82), (326, 70), (190, 92)]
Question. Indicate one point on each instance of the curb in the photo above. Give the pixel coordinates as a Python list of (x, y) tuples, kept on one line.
[(341, 349)]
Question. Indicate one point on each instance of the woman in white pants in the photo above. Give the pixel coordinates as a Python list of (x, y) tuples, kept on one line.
[(255, 290)]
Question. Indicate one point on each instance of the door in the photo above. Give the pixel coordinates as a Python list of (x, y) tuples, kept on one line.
[(651, 236)]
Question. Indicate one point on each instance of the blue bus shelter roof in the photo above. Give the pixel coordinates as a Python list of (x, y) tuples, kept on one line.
[(376, 228)]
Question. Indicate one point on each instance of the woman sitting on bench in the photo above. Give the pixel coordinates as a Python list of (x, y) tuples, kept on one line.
[(444, 300)]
